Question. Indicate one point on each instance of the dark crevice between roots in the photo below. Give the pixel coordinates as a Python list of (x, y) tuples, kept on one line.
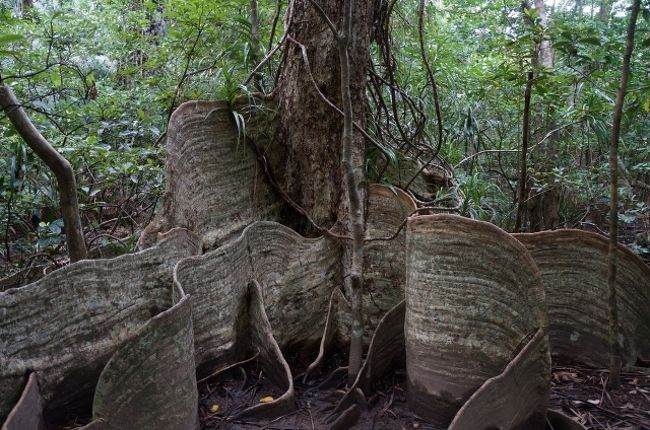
[(273, 364)]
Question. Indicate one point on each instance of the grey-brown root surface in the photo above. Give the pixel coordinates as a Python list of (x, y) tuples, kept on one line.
[(573, 267), (457, 306)]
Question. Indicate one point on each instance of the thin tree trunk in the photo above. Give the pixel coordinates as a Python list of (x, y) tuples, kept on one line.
[(543, 207), (321, 164), (255, 44), (605, 10), (356, 211), (615, 348), (61, 168), (545, 51), (578, 8), (430, 75), (523, 155)]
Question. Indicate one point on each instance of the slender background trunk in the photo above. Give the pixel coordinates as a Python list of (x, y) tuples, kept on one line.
[(615, 352), (61, 168), (543, 207), (523, 154)]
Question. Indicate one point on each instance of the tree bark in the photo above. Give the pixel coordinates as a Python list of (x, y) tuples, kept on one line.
[(322, 158), (605, 10), (615, 358), (61, 168), (255, 44), (544, 206), (523, 154), (545, 51), (308, 163)]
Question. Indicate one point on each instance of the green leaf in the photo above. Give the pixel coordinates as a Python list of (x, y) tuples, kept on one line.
[(646, 15), (591, 40), (9, 38)]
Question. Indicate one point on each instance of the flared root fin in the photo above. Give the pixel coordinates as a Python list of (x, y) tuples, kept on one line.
[(425, 181), (297, 276), (274, 365), (514, 400), (386, 351), (28, 412), (150, 382), (384, 261), (387, 348), (473, 298), (329, 333), (347, 419), (66, 326), (573, 266), (214, 187)]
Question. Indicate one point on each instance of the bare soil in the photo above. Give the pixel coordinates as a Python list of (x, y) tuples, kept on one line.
[(576, 391)]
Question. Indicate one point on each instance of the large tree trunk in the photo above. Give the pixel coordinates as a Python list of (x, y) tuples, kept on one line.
[(310, 130), (323, 171)]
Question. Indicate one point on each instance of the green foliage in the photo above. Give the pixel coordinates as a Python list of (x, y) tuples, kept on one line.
[(100, 80), (481, 52)]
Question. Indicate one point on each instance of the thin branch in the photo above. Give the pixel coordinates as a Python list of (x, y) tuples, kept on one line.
[(326, 18), (185, 75), (546, 137), (268, 56), (405, 220), (432, 79), (61, 168)]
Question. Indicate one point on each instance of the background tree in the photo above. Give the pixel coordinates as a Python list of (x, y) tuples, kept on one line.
[(615, 364), (67, 185)]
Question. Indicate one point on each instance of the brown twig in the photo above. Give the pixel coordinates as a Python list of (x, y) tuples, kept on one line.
[(262, 158), (227, 368)]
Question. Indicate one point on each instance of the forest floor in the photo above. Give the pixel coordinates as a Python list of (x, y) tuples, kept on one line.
[(579, 392), (582, 394)]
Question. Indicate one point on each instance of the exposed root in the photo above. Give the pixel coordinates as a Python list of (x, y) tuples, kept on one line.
[(274, 365), (514, 398), (329, 334), (347, 418), (28, 412), (223, 370)]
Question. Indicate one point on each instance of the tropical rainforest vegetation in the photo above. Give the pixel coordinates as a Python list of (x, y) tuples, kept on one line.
[(529, 116), (101, 79)]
